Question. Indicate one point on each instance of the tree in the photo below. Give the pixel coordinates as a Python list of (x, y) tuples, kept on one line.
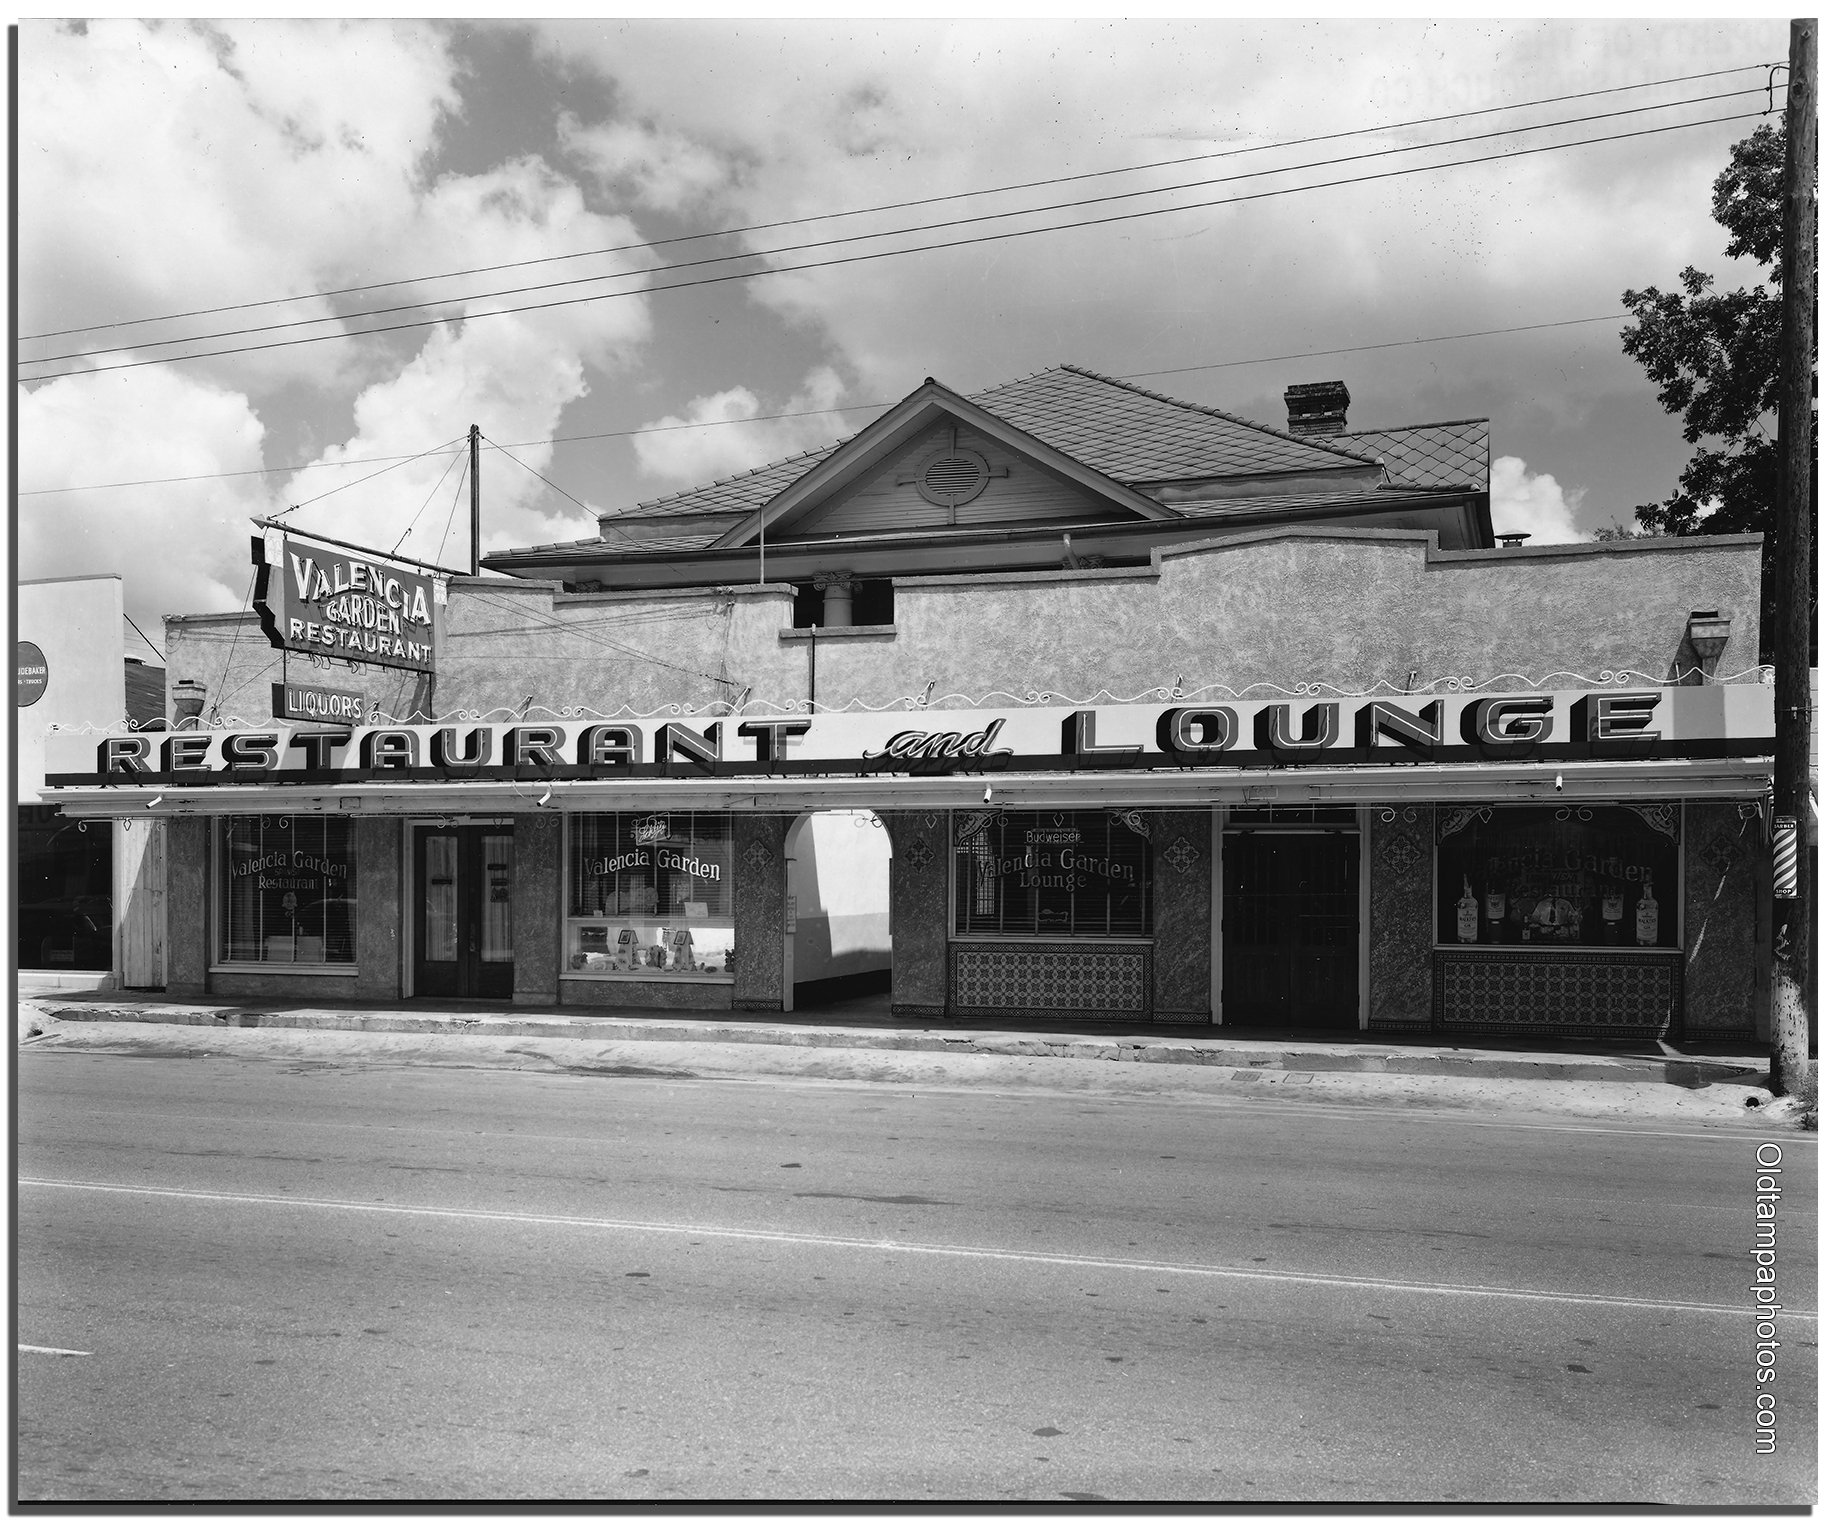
[(1714, 357)]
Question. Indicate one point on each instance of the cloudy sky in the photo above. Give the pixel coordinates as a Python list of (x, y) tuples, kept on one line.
[(255, 173)]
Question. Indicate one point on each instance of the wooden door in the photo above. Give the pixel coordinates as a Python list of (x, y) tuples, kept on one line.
[(462, 915), (1290, 921)]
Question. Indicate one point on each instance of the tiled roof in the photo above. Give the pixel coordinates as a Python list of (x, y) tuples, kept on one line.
[(1373, 499), (1349, 500), (1432, 454), (1128, 433), (736, 494), (1135, 435)]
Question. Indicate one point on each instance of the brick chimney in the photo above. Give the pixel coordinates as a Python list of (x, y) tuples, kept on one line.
[(1318, 407)]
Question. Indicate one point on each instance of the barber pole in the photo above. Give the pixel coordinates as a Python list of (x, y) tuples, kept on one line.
[(1784, 857)]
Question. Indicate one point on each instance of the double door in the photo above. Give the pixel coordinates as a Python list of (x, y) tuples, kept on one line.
[(1291, 922), (462, 925)]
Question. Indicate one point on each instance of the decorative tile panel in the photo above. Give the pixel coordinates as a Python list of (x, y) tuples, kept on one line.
[(758, 856), (1400, 851), (918, 855), (1075, 979), (1181, 855), (1560, 995)]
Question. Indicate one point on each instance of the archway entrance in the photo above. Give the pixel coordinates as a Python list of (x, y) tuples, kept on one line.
[(838, 932)]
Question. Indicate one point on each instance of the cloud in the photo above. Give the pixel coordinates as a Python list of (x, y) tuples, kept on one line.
[(825, 117), (653, 166), (180, 547), (685, 453), (1537, 505), (176, 165)]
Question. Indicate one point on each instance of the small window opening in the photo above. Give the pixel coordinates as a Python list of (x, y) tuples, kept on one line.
[(806, 612), (873, 601)]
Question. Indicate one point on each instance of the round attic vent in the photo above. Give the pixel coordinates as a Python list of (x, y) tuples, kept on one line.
[(952, 477)]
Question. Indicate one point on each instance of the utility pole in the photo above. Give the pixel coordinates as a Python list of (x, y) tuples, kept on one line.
[(1795, 550), (474, 437)]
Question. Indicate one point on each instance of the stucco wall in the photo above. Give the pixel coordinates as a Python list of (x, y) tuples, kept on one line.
[(1349, 607), (76, 622)]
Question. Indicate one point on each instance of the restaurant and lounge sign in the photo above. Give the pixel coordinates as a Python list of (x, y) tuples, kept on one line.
[(322, 600), (1615, 724)]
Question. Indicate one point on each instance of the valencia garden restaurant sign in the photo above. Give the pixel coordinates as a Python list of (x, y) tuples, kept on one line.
[(1614, 724), (322, 600)]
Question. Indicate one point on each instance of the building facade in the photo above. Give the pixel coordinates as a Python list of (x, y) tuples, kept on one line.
[(88, 901), (1063, 701)]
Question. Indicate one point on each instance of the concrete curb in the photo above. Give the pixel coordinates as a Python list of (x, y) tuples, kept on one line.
[(1276, 1056)]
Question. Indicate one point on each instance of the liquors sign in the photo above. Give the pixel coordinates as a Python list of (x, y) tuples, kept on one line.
[(325, 601)]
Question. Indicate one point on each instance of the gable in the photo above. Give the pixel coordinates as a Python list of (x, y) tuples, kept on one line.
[(950, 474)]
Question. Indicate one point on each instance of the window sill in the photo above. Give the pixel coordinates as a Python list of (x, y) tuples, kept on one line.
[(654, 976), (1544, 949), (1067, 938), (309, 969), (842, 632)]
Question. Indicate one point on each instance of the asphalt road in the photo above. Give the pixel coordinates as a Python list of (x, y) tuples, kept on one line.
[(242, 1279)]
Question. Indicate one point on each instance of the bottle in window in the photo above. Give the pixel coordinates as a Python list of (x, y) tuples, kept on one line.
[(1646, 915), (1613, 917), (1466, 914), (1494, 914)]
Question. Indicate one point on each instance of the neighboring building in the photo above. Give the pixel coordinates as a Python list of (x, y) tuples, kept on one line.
[(1163, 716), (73, 674)]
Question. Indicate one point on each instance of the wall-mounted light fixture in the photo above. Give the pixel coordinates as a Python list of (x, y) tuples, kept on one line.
[(1709, 630), (547, 794), (158, 798)]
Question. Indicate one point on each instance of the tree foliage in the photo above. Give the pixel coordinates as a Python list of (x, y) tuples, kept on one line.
[(1714, 357)]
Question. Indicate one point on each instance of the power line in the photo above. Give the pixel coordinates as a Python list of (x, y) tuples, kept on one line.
[(143, 635), (855, 238), (346, 486), (758, 227), (994, 237), (822, 412)]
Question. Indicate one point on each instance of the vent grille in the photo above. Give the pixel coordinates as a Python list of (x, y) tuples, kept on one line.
[(953, 478)]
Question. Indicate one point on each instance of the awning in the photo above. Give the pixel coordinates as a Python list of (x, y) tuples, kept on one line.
[(1162, 788)]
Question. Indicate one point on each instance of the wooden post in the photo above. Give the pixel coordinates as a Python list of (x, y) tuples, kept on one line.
[(475, 548), (1794, 944)]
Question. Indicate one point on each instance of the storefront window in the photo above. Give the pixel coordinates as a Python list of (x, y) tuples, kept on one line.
[(650, 895), (1020, 873), (1567, 876), (289, 889), (65, 915)]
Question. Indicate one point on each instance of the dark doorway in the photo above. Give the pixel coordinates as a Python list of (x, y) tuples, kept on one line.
[(462, 925), (1290, 906)]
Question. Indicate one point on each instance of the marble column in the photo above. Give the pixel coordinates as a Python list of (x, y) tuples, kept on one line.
[(1180, 842), (535, 908), (1402, 917), (920, 911), (758, 910)]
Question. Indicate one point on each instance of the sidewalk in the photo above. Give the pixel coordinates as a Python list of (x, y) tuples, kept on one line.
[(867, 1025)]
